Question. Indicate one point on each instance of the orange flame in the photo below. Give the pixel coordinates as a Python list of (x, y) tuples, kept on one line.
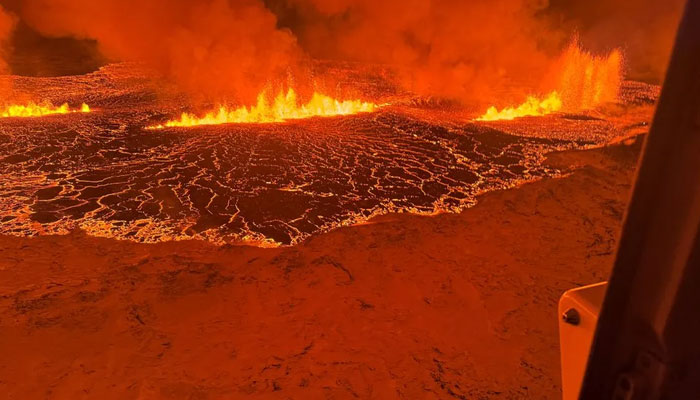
[(585, 82), (533, 107), (284, 107), (39, 110)]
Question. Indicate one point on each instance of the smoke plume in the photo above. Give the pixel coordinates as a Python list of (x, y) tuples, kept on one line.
[(7, 23), (452, 48), (476, 50), (645, 29), (220, 48)]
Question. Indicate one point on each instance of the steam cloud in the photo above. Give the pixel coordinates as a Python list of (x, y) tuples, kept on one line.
[(645, 29), (453, 48), (7, 23), (216, 47), (471, 50)]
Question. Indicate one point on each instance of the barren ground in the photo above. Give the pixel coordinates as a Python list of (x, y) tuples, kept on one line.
[(451, 306)]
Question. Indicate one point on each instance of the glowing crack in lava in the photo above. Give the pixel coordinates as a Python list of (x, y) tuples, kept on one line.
[(267, 184), (284, 107), (32, 109), (585, 82)]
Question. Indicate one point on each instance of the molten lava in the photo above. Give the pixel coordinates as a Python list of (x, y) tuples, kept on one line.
[(533, 107), (284, 107), (584, 82), (587, 81), (38, 110)]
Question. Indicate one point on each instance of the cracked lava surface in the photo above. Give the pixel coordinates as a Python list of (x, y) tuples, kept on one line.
[(270, 184)]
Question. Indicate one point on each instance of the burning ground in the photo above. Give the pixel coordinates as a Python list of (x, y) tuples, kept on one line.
[(270, 184)]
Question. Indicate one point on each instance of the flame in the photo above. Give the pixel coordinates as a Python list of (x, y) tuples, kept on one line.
[(584, 82), (32, 109), (284, 107), (587, 81), (532, 107)]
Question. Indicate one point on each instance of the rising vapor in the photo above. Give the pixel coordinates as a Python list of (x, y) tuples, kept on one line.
[(217, 48), (475, 51), (7, 23)]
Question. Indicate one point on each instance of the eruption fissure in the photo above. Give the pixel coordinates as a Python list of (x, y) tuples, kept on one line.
[(584, 82), (31, 110), (532, 107), (284, 107)]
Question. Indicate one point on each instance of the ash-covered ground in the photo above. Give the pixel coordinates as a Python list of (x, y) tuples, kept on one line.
[(265, 184)]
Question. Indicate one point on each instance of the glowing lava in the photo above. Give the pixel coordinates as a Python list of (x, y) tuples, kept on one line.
[(587, 81), (584, 82), (533, 107), (284, 107), (39, 110)]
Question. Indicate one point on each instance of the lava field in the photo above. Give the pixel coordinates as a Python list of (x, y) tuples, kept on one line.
[(268, 184)]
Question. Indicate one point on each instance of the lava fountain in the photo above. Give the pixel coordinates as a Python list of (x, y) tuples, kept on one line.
[(531, 107), (585, 81), (31, 110), (284, 107)]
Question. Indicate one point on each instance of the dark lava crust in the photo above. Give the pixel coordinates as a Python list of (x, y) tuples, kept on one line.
[(274, 183)]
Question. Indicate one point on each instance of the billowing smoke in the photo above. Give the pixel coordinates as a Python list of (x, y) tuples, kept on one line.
[(476, 50), (7, 23), (219, 48), (645, 29), (453, 48)]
